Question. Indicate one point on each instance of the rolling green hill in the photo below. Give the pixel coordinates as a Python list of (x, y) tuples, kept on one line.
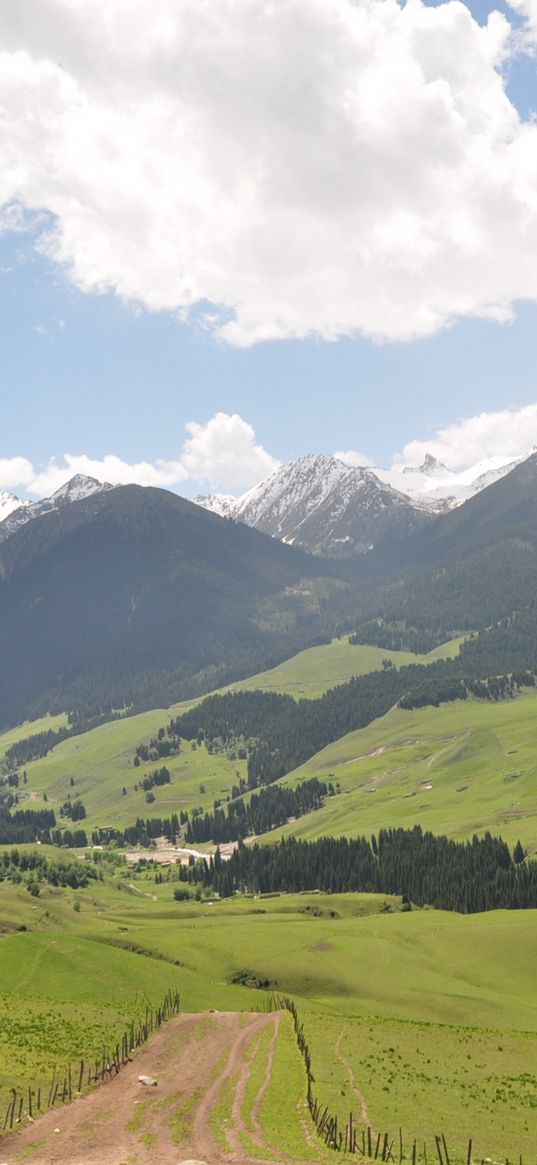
[(459, 769), (100, 761), (311, 672), (431, 1012)]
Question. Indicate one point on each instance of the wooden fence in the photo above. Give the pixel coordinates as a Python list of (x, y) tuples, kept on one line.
[(351, 1137), (30, 1101)]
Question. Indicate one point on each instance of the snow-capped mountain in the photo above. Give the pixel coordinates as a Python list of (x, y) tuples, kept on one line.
[(326, 507), (221, 504), (8, 503), (22, 512), (434, 485)]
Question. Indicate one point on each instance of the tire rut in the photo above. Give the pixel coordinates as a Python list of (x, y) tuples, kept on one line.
[(121, 1120), (364, 1114)]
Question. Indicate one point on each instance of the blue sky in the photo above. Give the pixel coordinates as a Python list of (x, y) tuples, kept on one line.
[(88, 373)]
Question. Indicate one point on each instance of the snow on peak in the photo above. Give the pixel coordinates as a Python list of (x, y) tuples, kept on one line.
[(78, 487), (221, 504), (75, 490), (8, 503)]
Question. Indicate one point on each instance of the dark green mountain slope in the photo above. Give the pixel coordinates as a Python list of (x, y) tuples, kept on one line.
[(138, 596), (468, 568)]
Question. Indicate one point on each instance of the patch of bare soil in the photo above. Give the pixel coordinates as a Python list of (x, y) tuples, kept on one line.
[(323, 946), (124, 1123)]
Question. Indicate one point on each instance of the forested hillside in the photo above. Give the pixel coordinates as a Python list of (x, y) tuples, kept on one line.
[(135, 597), (283, 733)]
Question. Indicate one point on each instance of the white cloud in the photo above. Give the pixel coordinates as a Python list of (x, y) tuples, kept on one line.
[(352, 457), (224, 452), (221, 454), (528, 10), (501, 435), (306, 166), (15, 472), (109, 468)]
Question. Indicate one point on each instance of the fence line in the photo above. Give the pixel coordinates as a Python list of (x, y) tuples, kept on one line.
[(32, 1100), (351, 1137)]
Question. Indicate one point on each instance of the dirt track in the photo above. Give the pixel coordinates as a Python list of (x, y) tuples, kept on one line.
[(125, 1123)]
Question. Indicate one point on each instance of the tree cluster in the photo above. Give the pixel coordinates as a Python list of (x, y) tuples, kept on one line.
[(434, 871), (33, 868), (264, 811), (157, 778), (26, 825)]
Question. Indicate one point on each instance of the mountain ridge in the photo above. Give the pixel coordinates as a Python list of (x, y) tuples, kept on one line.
[(333, 508)]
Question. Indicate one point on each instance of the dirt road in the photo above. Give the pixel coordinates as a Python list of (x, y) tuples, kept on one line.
[(124, 1123)]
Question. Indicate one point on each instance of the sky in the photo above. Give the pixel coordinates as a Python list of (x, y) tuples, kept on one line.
[(236, 231)]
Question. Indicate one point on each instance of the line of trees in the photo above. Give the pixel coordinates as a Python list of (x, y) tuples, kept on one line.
[(143, 832), (264, 811), (287, 732), (493, 688), (426, 870), (35, 746), (26, 825)]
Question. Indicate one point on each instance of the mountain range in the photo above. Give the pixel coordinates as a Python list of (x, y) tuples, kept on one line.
[(134, 597), (15, 513), (331, 508), (317, 502)]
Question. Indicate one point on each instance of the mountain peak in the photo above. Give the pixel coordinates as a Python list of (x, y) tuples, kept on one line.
[(79, 486), (221, 504), (17, 514), (431, 466), (327, 507)]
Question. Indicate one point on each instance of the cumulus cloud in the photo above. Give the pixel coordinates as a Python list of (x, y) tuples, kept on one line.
[(224, 451), (15, 472), (353, 457), (221, 454), (303, 166), (528, 10), (501, 435)]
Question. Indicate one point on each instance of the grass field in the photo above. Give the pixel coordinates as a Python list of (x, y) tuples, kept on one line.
[(100, 762), (432, 1015), (425, 1019), (459, 769), (314, 671), (101, 765)]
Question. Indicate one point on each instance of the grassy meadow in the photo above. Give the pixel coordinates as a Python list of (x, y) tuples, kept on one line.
[(463, 768), (431, 1016), (101, 762), (312, 672), (422, 1019)]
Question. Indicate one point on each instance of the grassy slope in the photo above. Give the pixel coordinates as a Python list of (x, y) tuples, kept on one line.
[(478, 758), (436, 1013), (312, 672), (431, 1010), (101, 761)]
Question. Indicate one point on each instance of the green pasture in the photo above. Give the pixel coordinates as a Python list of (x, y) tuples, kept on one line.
[(435, 1013), (65, 998), (31, 728), (101, 761), (101, 765), (313, 671), (459, 769)]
